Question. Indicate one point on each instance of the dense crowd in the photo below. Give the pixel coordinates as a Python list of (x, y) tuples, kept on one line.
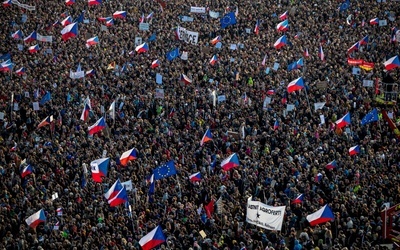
[(277, 163)]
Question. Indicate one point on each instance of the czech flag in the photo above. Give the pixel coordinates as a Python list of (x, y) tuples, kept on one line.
[(185, 79), (280, 42), (195, 177), (97, 127), (110, 22), (6, 66), (392, 63), (150, 16), (21, 71), (26, 171), (257, 27), (318, 177), (69, 2), (35, 219), (216, 40), (142, 48), (104, 19), (321, 53), (321, 216), (86, 110), (92, 41), (32, 37), (155, 64), (69, 31), (276, 125), (128, 156), (33, 49), (283, 26), (116, 195), (353, 47), (331, 165), (46, 121), (231, 162), (299, 199), (141, 19), (206, 137), (295, 85), (344, 121), (119, 15), (66, 21), (17, 34), (306, 53), (94, 2), (7, 3), (354, 150), (364, 41), (90, 72), (99, 169), (374, 21), (284, 16), (152, 239), (213, 60), (271, 92)]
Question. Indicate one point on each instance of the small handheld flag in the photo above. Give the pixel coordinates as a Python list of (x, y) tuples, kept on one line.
[(97, 127), (152, 239), (295, 85), (206, 137), (195, 177)]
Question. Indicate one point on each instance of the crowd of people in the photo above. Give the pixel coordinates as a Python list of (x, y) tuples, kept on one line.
[(280, 150)]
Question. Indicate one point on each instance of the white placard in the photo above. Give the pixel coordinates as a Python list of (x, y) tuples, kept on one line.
[(213, 14), (188, 36), (248, 31), (322, 117), (86, 21), (319, 105), (233, 46), (159, 94), (144, 26), (267, 101), (138, 41), (356, 71), (128, 185), (158, 78), (276, 66), (290, 107), (16, 106), (35, 106), (200, 10), (20, 47), (184, 55), (41, 38), (221, 98), (187, 19), (368, 83), (103, 28), (1, 116), (54, 196), (382, 22), (265, 216)]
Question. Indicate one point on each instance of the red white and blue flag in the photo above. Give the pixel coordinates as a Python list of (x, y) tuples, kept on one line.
[(155, 64), (283, 26), (152, 239), (144, 47), (21, 71), (128, 156), (26, 171), (33, 49), (331, 165), (119, 15), (257, 27), (47, 121), (284, 16), (282, 41), (116, 195), (92, 41), (32, 37), (344, 121), (7, 3), (216, 40), (231, 162), (276, 124), (66, 21), (392, 63), (97, 127), (195, 177), (99, 168), (323, 215), (374, 21), (17, 34), (206, 137), (213, 60), (69, 2), (299, 199), (321, 53), (295, 85), (86, 109), (94, 2), (69, 31), (35, 219), (354, 150), (184, 78)]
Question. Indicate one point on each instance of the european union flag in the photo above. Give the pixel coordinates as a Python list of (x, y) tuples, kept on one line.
[(228, 19), (164, 171), (173, 54), (152, 38), (370, 117), (80, 18), (344, 6), (292, 66), (45, 98)]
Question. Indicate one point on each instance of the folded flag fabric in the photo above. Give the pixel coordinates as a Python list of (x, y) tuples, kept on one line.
[(364, 41), (32, 37), (231, 162), (97, 127), (372, 116), (184, 78), (353, 47), (195, 177), (374, 21), (7, 3), (69, 2), (20, 71), (119, 15), (94, 2), (216, 40), (33, 49), (144, 47), (69, 31), (213, 60), (128, 156), (155, 64), (323, 215), (392, 63), (284, 16), (166, 170), (66, 21), (283, 26), (344, 121), (331, 165), (47, 121), (17, 34), (99, 168), (116, 195), (152, 239), (282, 41), (206, 137), (35, 219), (299, 199), (26, 171), (92, 41)]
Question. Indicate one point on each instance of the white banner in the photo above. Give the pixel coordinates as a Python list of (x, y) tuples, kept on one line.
[(128, 185), (318, 105), (213, 14), (265, 216), (77, 74), (188, 36), (25, 6), (41, 38), (200, 10)]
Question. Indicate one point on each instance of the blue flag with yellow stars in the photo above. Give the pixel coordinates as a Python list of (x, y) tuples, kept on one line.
[(164, 171)]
